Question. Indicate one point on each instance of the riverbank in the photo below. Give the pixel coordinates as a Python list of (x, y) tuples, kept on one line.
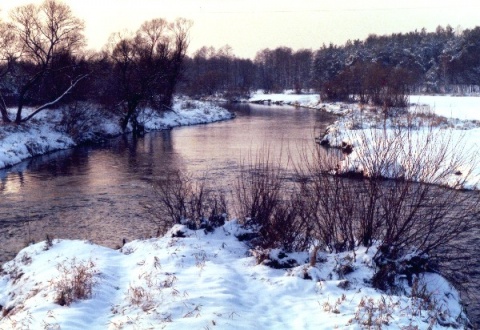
[(68, 127), (199, 280), (364, 132), (403, 141), (309, 101)]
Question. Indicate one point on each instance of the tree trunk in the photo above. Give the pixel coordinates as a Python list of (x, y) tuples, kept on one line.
[(131, 116), (3, 111), (18, 118)]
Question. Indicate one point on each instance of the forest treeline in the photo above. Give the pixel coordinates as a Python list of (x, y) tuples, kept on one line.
[(44, 63), (436, 62)]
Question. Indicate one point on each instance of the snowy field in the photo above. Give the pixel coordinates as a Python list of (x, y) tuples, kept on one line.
[(193, 280), (46, 132), (461, 107)]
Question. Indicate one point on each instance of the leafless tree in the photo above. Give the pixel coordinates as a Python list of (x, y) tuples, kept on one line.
[(42, 32), (9, 53), (146, 67)]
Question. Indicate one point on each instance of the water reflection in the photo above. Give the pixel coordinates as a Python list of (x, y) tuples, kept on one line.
[(98, 192)]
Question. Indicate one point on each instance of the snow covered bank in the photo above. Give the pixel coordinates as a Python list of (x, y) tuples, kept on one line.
[(311, 101), (193, 280), (409, 139), (50, 131), (285, 98)]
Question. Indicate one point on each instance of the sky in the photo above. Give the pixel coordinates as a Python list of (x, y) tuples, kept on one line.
[(251, 25)]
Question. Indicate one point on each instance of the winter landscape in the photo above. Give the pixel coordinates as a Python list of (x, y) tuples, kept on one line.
[(198, 279), (331, 188)]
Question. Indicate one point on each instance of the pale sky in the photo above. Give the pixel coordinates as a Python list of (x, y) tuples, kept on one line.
[(251, 25)]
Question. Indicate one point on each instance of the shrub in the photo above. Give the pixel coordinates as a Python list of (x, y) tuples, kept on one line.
[(269, 208), (75, 282), (77, 121), (400, 202), (331, 202), (179, 198)]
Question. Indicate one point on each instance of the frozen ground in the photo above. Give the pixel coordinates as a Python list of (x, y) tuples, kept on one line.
[(461, 107), (47, 132), (451, 120), (418, 137), (193, 280)]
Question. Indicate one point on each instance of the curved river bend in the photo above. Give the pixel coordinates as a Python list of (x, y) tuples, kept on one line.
[(99, 193)]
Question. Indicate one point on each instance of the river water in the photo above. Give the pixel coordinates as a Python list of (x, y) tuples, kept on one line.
[(100, 193)]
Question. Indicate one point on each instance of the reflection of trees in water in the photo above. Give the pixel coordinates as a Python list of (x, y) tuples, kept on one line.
[(99, 192), (11, 183)]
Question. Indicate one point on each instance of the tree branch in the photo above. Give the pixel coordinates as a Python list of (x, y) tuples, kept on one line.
[(48, 104)]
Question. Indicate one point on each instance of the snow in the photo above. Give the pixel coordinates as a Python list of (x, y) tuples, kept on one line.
[(311, 101), (462, 107), (455, 121), (196, 280), (45, 133), (199, 280), (287, 98), (365, 129), (17, 144)]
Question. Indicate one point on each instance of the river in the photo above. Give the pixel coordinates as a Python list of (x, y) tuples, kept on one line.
[(99, 193)]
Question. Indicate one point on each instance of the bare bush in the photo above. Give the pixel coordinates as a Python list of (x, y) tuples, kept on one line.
[(268, 207), (330, 201), (423, 212), (77, 120), (406, 198), (75, 282), (180, 199)]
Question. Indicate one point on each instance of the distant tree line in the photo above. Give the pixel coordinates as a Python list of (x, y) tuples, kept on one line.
[(210, 71), (380, 69)]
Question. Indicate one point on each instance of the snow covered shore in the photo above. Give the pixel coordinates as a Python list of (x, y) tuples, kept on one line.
[(311, 101), (419, 136), (196, 280), (48, 132), (451, 120)]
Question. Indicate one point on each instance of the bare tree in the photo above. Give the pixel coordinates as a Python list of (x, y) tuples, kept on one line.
[(42, 33), (9, 53), (146, 67)]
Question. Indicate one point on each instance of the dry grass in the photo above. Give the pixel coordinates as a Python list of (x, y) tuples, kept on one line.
[(76, 281), (140, 297)]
